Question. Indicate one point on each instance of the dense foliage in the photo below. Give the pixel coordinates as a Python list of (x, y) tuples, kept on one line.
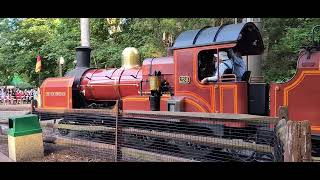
[(21, 40), (283, 39)]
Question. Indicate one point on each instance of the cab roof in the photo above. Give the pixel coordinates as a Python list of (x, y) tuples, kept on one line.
[(246, 36)]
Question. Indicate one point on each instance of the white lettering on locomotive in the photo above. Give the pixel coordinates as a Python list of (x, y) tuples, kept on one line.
[(55, 93)]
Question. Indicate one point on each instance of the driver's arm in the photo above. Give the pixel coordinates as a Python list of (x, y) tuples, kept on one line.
[(209, 79), (214, 78)]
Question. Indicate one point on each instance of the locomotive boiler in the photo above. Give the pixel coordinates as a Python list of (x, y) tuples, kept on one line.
[(172, 83)]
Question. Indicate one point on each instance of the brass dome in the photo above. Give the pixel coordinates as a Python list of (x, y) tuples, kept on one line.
[(130, 57)]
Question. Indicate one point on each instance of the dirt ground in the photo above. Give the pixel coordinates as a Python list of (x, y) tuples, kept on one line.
[(65, 153)]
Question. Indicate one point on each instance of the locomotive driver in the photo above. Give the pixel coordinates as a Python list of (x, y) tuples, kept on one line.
[(239, 67), (228, 60)]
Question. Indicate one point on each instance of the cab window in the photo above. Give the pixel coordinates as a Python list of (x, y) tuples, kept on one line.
[(206, 63)]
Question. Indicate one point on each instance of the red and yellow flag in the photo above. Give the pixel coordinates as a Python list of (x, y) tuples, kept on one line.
[(38, 65)]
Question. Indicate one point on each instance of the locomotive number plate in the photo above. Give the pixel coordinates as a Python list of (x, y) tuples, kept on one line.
[(184, 79)]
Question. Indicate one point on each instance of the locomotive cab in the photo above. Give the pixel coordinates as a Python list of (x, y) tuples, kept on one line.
[(194, 59)]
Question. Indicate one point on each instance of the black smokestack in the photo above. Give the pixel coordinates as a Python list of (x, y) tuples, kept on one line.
[(83, 57)]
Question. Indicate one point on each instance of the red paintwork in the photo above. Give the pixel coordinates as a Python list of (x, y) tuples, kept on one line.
[(56, 93), (110, 84), (301, 93), (142, 103)]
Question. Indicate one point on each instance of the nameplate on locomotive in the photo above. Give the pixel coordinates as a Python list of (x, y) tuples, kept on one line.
[(184, 79), (55, 94)]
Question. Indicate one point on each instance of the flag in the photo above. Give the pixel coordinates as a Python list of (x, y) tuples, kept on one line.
[(38, 65)]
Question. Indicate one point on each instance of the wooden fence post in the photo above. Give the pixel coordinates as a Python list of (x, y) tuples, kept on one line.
[(283, 112), (118, 132), (298, 142), (281, 126), (291, 147), (295, 137), (306, 145)]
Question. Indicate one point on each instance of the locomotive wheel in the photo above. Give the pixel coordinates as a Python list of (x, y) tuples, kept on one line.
[(139, 141), (264, 135), (241, 155), (63, 132), (193, 151), (264, 157), (315, 146), (198, 151)]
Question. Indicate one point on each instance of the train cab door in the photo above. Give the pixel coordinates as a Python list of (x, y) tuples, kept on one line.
[(231, 97)]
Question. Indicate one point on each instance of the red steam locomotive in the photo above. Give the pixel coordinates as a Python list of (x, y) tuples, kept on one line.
[(172, 83)]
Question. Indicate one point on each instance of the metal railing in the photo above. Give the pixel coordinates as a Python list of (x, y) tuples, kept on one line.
[(228, 77)]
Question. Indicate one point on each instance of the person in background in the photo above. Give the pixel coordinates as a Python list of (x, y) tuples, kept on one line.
[(14, 96), (8, 95), (4, 95), (35, 95), (27, 95)]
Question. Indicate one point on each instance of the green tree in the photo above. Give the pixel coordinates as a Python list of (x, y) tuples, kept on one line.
[(284, 37)]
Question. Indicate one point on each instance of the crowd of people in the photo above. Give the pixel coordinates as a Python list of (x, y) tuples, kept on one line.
[(17, 96)]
